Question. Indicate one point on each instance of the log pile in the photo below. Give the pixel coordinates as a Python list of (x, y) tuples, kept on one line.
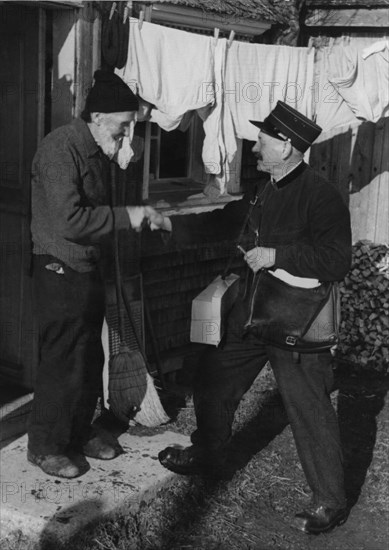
[(365, 308)]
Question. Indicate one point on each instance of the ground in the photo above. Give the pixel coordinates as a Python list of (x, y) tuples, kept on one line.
[(254, 508)]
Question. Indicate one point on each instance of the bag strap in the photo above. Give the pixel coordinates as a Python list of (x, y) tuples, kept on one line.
[(253, 203)]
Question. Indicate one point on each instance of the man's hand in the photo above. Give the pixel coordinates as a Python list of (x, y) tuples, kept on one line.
[(260, 257), (138, 216), (157, 220)]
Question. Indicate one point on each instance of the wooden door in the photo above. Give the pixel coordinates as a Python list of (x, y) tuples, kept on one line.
[(19, 108)]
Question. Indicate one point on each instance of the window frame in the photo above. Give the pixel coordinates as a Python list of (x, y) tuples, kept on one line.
[(180, 22)]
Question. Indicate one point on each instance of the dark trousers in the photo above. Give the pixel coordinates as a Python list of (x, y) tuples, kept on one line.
[(70, 312), (227, 372)]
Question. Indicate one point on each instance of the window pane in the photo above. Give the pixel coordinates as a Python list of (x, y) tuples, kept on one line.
[(174, 154)]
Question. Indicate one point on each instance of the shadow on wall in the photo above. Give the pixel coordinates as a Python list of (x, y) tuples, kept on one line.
[(357, 164), (62, 100)]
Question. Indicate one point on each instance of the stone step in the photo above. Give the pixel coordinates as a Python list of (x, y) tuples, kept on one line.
[(44, 507)]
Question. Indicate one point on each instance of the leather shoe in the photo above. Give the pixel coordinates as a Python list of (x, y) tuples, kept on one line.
[(320, 520), (190, 461), (58, 465), (98, 447)]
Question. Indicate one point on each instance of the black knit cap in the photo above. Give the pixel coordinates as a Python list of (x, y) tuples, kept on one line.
[(287, 124), (109, 94)]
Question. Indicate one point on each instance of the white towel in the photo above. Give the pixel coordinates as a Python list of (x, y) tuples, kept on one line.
[(361, 78), (169, 68), (376, 47), (258, 75)]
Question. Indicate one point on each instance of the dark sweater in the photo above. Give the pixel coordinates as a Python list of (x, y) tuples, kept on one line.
[(70, 197), (303, 217)]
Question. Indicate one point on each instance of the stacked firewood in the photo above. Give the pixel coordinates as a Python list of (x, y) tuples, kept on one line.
[(365, 308)]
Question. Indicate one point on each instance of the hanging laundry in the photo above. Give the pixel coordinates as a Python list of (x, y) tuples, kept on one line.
[(219, 144), (258, 75), (332, 110), (359, 70), (219, 147), (170, 69)]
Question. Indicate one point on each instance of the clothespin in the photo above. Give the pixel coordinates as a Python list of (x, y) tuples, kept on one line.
[(112, 10), (141, 18), (215, 35), (231, 38), (125, 13)]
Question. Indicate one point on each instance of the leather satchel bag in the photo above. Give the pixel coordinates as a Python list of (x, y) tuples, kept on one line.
[(293, 318)]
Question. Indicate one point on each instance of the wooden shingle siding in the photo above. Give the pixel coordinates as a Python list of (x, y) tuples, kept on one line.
[(171, 279)]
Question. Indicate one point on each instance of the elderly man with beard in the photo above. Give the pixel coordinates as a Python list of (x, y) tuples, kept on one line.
[(71, 214), (299, 229)]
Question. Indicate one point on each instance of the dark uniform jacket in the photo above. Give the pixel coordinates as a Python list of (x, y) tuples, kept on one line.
[(302, 216)]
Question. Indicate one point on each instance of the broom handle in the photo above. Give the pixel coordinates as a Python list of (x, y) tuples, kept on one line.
[(118, 285), (118, 282), (152, 334)]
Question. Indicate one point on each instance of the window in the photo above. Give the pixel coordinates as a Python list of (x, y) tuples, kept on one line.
[(169, 153), (172, 162)]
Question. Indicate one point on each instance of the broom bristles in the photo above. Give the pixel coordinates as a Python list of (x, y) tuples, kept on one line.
[(151, 413), (127, 382)]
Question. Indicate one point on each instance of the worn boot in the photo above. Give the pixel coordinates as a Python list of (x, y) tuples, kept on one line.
[(59, 465)]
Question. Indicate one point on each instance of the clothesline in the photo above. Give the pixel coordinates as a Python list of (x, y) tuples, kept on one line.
[(228, 83)]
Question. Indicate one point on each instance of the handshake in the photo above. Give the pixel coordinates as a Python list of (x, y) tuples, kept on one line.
[(141, 215)]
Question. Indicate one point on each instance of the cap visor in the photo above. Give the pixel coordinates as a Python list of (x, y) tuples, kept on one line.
[(257, 123), (265, 129)]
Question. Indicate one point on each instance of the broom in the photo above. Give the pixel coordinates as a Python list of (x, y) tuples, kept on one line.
[(131, 389), (127, 384), (151, 413)]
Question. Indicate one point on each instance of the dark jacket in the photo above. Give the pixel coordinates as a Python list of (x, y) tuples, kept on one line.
[(302, 216), (70, 197)]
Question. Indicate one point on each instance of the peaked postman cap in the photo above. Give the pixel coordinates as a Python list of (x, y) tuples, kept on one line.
[(287, 124)]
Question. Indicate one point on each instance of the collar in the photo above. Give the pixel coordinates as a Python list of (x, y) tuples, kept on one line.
[(290, 176), (91, 147)]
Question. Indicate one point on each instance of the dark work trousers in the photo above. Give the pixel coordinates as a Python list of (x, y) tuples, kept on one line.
[(227, 372), (70, 312)]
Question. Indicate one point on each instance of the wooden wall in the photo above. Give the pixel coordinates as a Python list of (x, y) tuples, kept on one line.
[(45, 68), (172, 277), (356, 161)]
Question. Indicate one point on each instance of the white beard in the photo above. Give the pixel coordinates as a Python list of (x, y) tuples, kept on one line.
[(125, 152), (109, 145)]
